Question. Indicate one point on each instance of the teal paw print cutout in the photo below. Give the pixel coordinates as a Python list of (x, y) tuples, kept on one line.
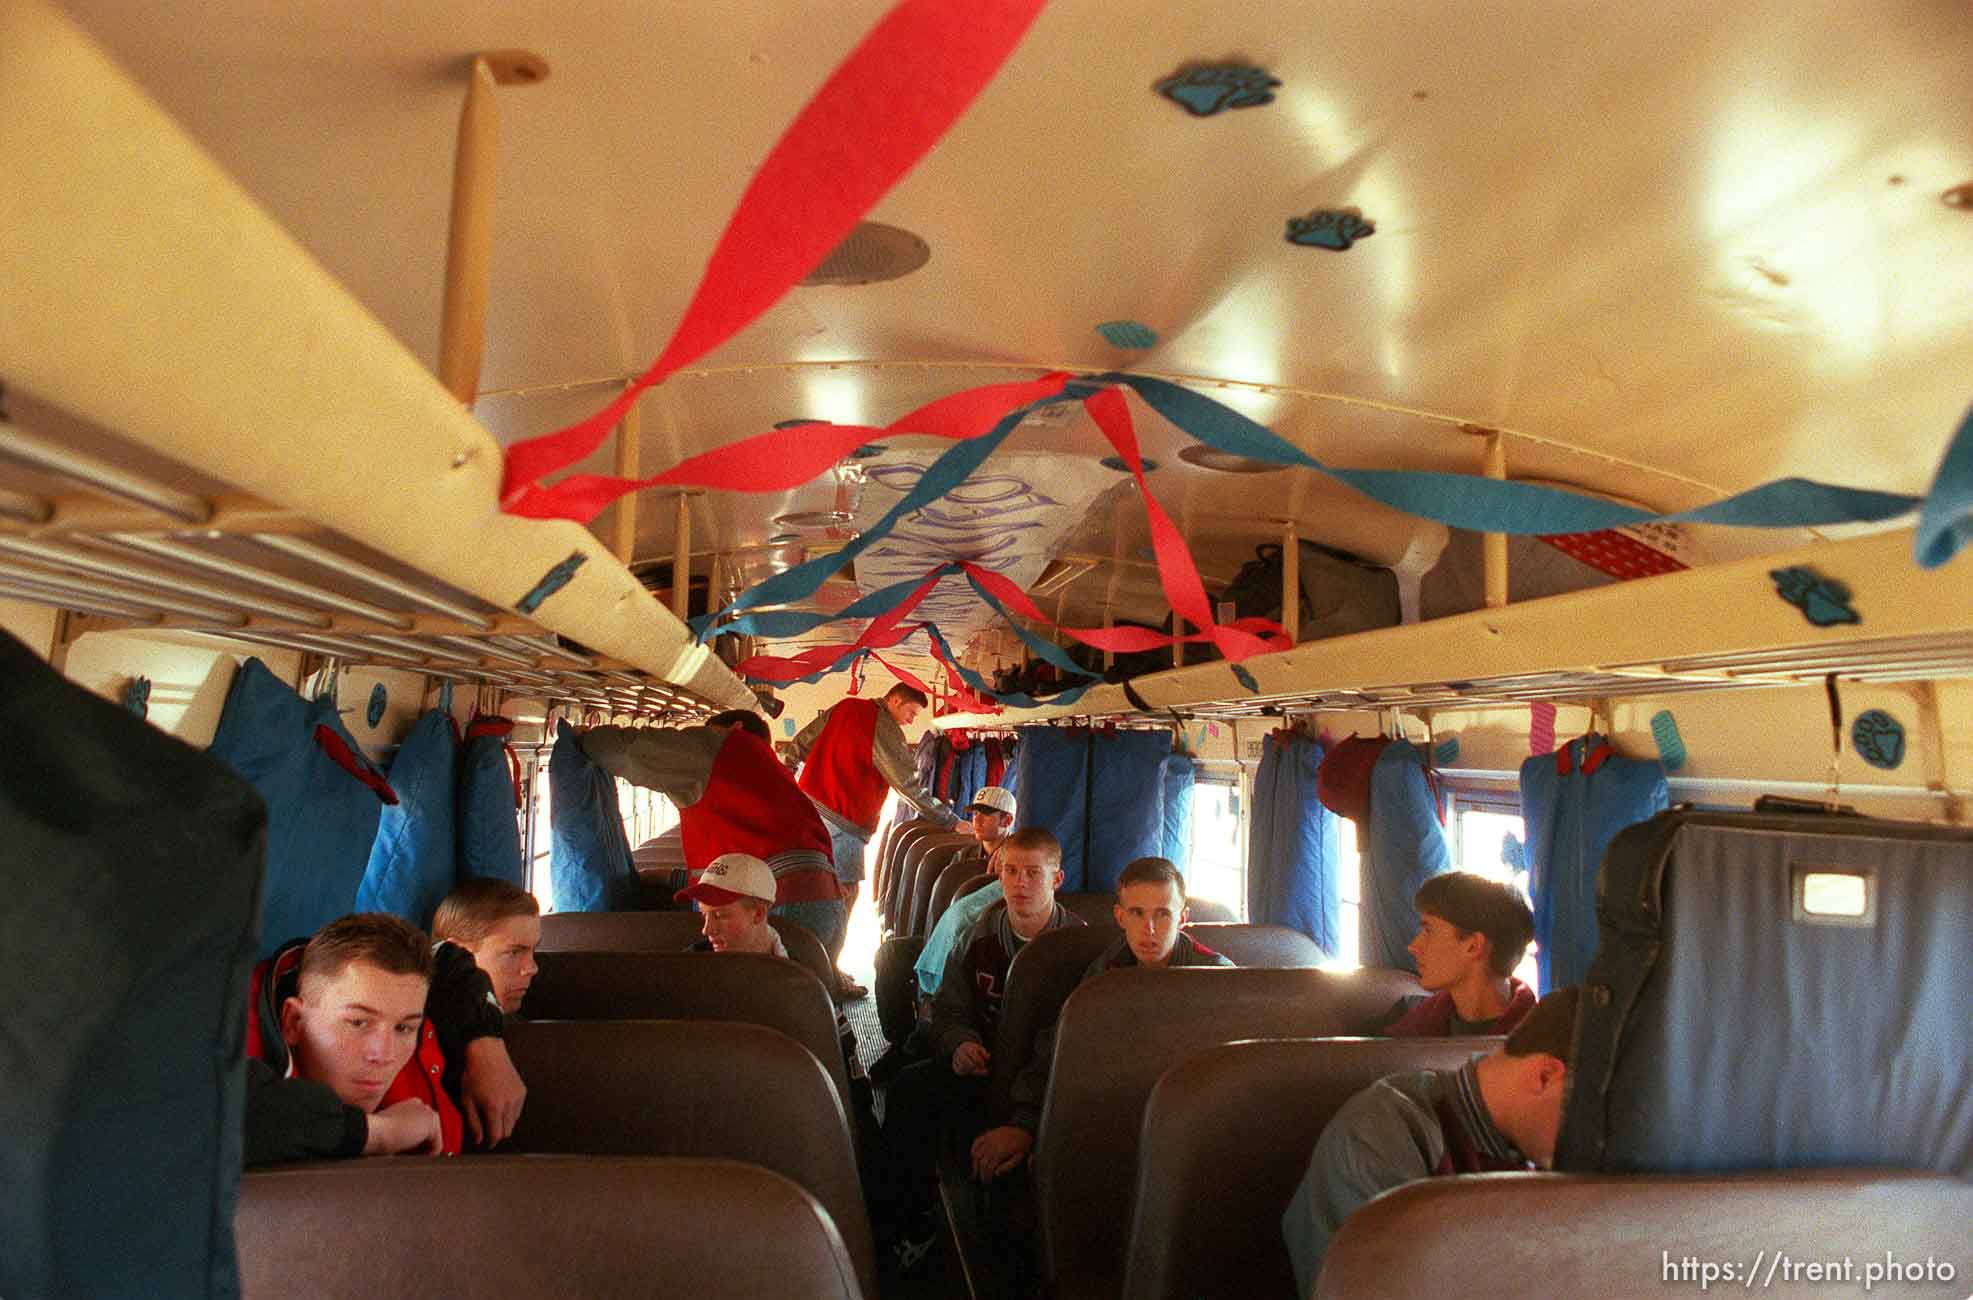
[(1331, 228), (1823, 601), (1204, 91), (1878, 739)]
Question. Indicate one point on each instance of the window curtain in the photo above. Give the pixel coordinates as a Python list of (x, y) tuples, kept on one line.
[(1401, 845), (1574, 802), (1292, 844)]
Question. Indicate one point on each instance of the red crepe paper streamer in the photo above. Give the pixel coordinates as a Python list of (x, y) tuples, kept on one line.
[(881, 111), (1180, 577), (780, 460)]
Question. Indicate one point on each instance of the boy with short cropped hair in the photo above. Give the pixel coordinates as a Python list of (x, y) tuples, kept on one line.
[(1472, 933), (733, 895), (500, 925), (951, 1088), (341, 1059), (1150, 909)]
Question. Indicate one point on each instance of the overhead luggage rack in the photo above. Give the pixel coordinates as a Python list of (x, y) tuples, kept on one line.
[(1654, 636), (128, 550), (206, 433)]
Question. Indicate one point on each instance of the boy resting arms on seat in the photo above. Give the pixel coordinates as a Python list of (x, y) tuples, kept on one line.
[(1498, 1112), (340, 1058)]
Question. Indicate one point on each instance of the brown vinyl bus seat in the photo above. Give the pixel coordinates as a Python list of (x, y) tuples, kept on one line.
[(1265, 947), (691, 1088), (966, 856), (1206, 912), (887, 849), (660, 863), (1039, 980), (904, 891), (738, 986), (964, 868), (1117, 1034), (892, 863), (666, 850), (1227, 1135), (536, 1228), (664, 932), (1048, 969), (1488, 1236)]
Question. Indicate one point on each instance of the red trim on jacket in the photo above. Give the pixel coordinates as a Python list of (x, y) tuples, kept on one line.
[(751, 805), (840, 772)]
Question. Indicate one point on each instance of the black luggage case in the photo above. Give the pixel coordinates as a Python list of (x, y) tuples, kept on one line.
[(1775, 991)]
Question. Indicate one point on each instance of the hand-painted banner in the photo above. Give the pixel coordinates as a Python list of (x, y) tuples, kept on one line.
[(881, 111), (945, 474)]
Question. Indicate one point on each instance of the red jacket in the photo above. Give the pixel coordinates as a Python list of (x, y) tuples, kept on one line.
[(839, 772), (275, 980), (752, 806), (1432, 1018)]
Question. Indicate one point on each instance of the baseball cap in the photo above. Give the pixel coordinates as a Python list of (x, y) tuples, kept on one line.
[(728, 877), (993, 798)]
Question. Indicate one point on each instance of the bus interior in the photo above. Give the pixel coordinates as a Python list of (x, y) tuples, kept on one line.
[(1174, 394)]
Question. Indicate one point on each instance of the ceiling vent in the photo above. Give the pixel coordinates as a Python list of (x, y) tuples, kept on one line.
[(873, 252), (1225, 462)]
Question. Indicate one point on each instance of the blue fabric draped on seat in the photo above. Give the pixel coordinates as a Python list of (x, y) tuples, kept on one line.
[(321, 818), (1292, 845), (414, 859), (1402, 847), (589, 856), (1574, 802), (489, 835)]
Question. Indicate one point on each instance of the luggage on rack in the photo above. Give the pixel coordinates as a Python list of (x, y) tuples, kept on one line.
[(1777, 990)]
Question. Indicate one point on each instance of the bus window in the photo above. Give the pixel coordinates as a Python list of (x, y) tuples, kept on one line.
[(1477, 833), (1349, 889), (1218, 869)]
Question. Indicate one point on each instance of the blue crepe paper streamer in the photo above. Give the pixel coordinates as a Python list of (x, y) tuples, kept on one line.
[(1447, 751), (1671, 745), (1458, 500), (1495, 506), (1945, 522)]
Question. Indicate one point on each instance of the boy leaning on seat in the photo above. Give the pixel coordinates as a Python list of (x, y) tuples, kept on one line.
[(368, 1039)]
